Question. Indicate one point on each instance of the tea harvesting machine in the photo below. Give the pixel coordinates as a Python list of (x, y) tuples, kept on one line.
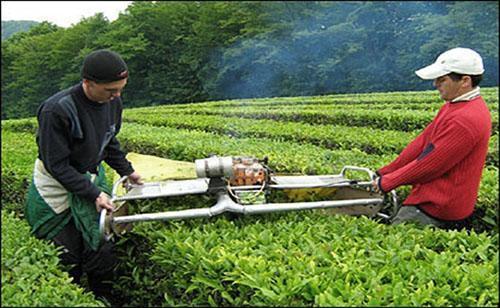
[(242, 185)]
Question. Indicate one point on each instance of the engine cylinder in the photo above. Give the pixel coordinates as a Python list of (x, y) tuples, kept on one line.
[(214, 166)]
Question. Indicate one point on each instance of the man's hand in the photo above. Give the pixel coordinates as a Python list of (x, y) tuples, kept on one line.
[(103, 202), (375, 185), (135, 178)]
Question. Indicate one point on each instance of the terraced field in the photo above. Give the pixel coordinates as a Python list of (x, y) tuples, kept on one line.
[(294, 259)]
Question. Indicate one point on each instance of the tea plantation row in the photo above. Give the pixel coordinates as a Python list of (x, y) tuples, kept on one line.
[(415, 100), (366, 139)]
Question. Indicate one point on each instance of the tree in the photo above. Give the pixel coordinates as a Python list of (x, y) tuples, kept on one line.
[(25, 70)]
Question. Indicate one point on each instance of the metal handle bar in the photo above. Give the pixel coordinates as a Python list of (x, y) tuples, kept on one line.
[(370, 173), (115, 187)]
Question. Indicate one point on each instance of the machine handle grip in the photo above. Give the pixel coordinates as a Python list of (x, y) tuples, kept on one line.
[(103, 225), (370, 173), (115, 187)]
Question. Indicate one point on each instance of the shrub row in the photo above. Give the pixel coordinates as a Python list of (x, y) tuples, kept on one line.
[(302, 258), (401, 120), (31, 272), (18, 158), (308, 258), (285, 157), (366, 139), (332, 137), (152, 273), (430, 107), (326, 104), (422, 98)]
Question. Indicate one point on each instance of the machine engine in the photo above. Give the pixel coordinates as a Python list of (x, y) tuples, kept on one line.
[(239, 170)]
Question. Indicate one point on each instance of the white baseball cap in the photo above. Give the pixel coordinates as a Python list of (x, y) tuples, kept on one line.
[(457, 60)]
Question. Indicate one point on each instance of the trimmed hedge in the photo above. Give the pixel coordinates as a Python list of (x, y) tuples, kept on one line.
[(308, 258), (18, 158), (393, 119), (284, 157), (369, 100), (31, 272), (366, 139)]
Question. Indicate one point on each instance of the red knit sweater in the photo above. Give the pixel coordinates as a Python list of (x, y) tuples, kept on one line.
[(444, 163)]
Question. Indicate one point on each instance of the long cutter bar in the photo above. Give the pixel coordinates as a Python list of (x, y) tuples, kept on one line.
[(358, 194)]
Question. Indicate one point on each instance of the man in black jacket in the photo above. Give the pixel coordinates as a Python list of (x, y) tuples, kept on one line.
[(77, 130)]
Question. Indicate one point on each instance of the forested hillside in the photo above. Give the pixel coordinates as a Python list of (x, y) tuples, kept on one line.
[(180, 52)]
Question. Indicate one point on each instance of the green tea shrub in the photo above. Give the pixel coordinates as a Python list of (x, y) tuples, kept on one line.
[(31, 273), (308, 258), (301, 258), (18, 157)]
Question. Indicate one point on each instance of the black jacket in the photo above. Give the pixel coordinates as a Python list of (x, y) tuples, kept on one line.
[(75, 135)]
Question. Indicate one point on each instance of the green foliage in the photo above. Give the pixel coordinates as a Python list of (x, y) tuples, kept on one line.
[(25, 67), (392, 119), (180, 51), (31, 273), (18, 158), (306, 258), (294, 259), (47, 60), (367, 139)]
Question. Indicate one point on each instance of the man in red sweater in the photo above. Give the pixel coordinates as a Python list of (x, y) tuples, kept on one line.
[(444, 163)]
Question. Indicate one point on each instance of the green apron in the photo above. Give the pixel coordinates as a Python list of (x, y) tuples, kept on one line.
[(45, 223)]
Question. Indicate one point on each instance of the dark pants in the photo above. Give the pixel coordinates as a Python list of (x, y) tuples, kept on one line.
[(99, 265), (414, 214)]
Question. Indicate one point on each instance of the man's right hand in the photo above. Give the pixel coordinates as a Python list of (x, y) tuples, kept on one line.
[(103, 202)]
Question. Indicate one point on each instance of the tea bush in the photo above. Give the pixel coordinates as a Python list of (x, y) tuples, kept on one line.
[(307, 258), (31, 272)]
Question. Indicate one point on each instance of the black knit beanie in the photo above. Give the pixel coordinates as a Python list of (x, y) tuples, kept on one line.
[(104, 66)]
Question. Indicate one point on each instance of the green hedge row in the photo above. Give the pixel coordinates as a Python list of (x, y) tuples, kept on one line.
[(18, 159), (331, 104), (401, 120), (431, 107), (416, 99), (308, 258), (366, 139), (146, 281), (168, 142), (332, 137), (31, 272)]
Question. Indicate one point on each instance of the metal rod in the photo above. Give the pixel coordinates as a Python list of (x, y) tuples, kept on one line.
[(298, 186), (276, 207), (225, 203), (346, 183)]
